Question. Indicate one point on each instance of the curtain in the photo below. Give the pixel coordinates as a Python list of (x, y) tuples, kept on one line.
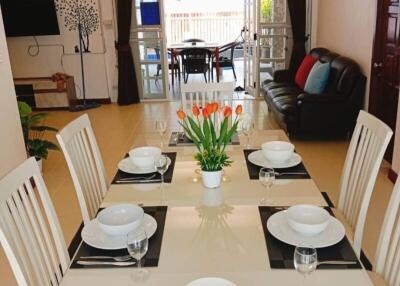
[(128, 92), (298, 11)]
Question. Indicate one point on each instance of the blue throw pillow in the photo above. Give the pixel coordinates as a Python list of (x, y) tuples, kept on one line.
[(318, 78)]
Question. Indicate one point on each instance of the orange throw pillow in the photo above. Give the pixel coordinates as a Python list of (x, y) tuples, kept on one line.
[(304, 70)]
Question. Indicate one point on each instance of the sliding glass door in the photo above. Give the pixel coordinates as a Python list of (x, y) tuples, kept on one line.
[(149, 49)]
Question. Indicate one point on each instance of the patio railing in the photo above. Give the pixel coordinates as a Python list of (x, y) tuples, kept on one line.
[(217, 27)]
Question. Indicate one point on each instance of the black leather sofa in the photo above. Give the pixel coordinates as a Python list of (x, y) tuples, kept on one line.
[(332, 113)]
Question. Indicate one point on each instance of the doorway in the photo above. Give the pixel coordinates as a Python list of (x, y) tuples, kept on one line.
[(385, 71)]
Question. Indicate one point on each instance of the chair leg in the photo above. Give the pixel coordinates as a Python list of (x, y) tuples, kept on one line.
[(212, 75), (179, 74), (234, 73), (205, 77)]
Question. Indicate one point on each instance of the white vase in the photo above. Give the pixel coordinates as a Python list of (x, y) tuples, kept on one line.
[(212, 197), (211, 179)]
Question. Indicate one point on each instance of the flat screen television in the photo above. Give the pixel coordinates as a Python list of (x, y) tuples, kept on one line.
[(29, 17)]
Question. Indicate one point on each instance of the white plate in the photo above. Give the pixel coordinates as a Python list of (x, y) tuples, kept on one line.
[(95, 237), (211, 281), (126, 165), (258, 158), (278, 226)]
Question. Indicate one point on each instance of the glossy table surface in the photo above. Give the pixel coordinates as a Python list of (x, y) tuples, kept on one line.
[(226, 241)]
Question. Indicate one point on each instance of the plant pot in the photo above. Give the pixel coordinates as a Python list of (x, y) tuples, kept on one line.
[(212, 197), (211, 179), (40, 164)]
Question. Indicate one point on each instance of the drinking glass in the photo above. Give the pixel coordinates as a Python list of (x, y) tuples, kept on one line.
[(161, 127), (247, 129), (137, 245), (305, 260), (267, 179), (161, 164)]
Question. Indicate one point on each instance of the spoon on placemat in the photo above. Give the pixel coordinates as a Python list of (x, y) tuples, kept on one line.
[(95, 263), (290, 173), (121, 258)]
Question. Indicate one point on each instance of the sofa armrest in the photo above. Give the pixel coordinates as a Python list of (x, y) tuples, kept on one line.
[(319, 98), (283, 76)]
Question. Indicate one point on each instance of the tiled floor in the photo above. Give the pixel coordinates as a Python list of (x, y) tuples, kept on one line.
[(115, 127)]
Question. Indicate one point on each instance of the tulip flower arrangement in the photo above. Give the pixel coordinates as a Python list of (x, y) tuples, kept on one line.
[(210, 140)]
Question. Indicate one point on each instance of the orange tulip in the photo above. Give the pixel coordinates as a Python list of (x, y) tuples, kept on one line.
[(215, 106), (205, 112), (239, 109), (210, 108), (196, 111), (181, 114), (227, 111)]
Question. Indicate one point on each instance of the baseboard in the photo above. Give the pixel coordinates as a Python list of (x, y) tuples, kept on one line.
[(97, 100), (392, 175)]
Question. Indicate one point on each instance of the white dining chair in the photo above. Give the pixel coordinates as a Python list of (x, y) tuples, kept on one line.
[(30, 232), (200, 94), (78, 143), (387, 255), (364, 157)]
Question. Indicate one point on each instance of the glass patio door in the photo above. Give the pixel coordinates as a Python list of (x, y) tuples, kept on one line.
[(149, 49), (251, 71)]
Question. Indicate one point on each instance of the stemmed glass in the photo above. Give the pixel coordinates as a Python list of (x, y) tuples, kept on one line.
[(161, 127), (267, 179), (137, 245), (161, 164), (247, 129), (305, 260)]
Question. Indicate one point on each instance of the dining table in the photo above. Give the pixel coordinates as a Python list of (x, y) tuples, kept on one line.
[(175, 48), (227, 241)]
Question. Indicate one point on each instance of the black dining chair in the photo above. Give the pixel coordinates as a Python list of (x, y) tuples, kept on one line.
[(226, 57), (175, 68), (193, 40), (196, 61)]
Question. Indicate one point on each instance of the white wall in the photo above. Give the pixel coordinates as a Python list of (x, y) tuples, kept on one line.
[(12, 150), (100, 74), (396, 154), (347, 27)]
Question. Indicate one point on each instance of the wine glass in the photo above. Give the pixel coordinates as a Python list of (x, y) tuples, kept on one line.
[(161, 127), (137, 245), (247, 129), (266, 177), (305, 260), (161, 164)]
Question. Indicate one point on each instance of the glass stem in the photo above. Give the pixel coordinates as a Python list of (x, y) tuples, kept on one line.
[(248, 141), (162, 181), (139, 264)]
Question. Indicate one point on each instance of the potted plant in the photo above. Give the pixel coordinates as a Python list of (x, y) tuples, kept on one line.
[(33, 133), (210, 138)]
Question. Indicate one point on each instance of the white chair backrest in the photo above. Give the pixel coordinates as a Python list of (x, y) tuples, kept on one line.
[(387, 258), (200, 94), (364, 157), (85, 164), (29, 229)]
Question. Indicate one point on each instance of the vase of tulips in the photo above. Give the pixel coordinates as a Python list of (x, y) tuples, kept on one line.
[(209, 129)]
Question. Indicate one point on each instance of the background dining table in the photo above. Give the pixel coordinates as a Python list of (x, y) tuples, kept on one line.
[(213, 47), (226, 241)]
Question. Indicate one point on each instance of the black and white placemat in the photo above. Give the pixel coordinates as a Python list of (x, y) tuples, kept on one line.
[(180, 139), (280, 254), (149, 260), (254, 170), (120, 175)]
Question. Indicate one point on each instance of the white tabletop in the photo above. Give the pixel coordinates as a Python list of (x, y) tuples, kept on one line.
[(226, 242)]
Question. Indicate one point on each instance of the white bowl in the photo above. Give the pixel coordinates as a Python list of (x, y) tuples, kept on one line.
[(144, 157), (120, 219), (277, 151), (308, 220)]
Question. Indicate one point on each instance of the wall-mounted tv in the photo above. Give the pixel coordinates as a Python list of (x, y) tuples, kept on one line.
[(29, 17)]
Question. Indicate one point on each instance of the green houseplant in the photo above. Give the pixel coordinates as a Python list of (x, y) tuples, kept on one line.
[(210, 138), (34, 132)]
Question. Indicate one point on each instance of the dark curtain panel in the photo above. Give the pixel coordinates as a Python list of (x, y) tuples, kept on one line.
[(128, 92), (297, 10)]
